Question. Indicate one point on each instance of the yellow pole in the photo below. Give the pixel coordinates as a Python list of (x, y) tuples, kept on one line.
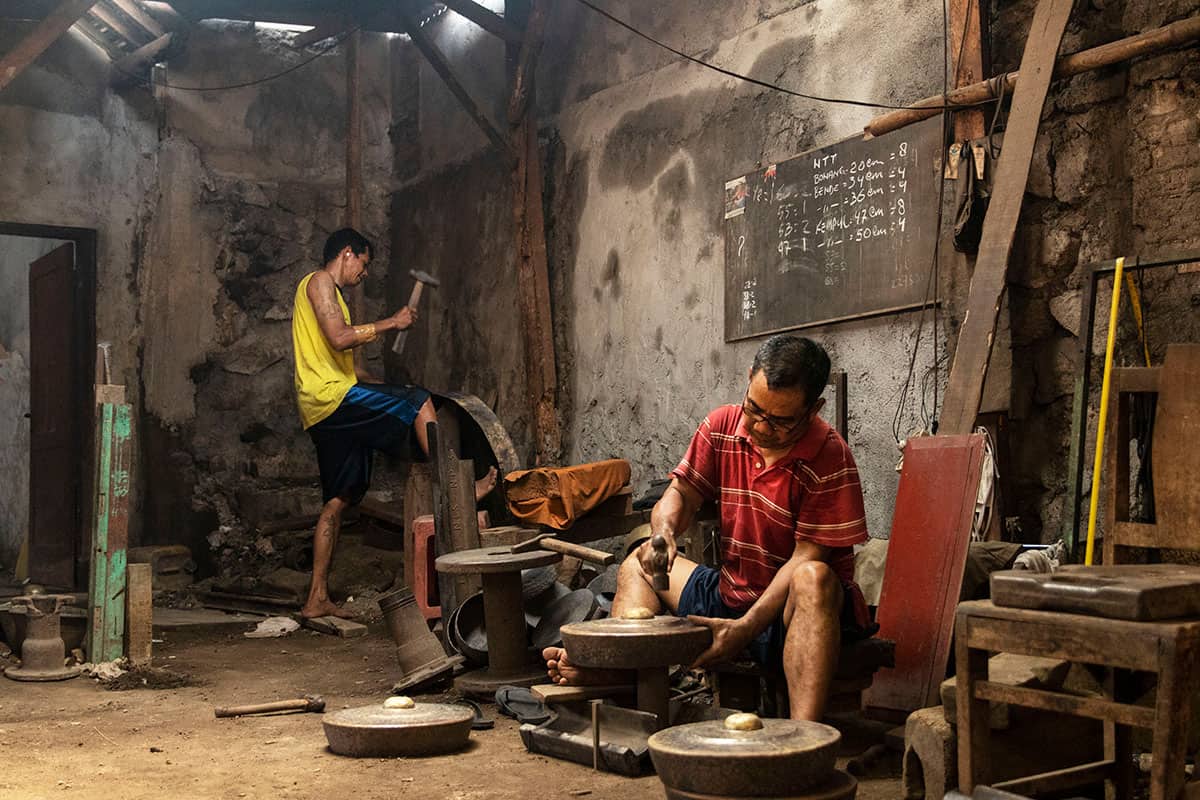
[(1103, 421), (1135, 302)]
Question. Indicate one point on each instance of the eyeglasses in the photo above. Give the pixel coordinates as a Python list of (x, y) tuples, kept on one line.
[(777, 424)]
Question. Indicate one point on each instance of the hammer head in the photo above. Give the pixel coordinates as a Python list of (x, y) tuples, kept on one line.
[(316, 703), (424, 277)]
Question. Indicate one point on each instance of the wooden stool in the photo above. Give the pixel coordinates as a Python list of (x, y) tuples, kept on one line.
[(1170, 650)]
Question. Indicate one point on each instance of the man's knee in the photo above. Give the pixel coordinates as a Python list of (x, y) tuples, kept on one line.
[(815, 584), (336, 505), (630, 569)]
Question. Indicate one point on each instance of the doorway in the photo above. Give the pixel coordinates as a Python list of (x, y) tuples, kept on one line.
[(47, 336)]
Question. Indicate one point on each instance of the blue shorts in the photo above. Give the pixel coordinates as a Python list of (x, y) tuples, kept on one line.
[(373, 416), (701, 596)]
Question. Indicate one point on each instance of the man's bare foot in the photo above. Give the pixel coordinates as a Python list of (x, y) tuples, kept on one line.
[(324, 608), (485, 484), (563, 672)]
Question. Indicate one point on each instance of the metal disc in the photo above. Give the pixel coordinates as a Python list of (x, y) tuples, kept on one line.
[(635, 643), (493, 559), (575, 606), (840, 786), (375, 731), (783, 758)]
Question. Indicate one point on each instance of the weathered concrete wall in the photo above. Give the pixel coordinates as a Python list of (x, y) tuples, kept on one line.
[(1115, 173), (637, 245), (638, 147), (73, 153), (16, 254)]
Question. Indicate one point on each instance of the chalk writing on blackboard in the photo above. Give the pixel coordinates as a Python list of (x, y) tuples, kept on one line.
[(840, 232)]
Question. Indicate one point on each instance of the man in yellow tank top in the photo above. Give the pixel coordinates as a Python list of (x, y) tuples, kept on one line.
[(347, 412)]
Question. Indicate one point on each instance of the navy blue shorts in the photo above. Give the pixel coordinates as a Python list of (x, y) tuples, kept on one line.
[(373, 416), (701, 596)]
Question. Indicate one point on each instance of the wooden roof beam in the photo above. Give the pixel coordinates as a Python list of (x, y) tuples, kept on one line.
[(490, 21), (66, 14), (136, 38), (127, 70)]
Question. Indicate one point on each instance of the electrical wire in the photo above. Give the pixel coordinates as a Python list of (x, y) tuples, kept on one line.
[(775, 87)]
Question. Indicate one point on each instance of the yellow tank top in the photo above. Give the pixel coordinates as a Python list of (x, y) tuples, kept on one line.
[(323, 375)]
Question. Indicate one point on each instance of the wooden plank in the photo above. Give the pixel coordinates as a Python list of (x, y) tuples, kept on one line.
[(1059, 779), (553, 694), (106, 636), (1091, 707), (534, 295), (41, 37), (418, 502), (134, 12), (490, 21), (335, 626), (139, 614), (968, 39), (964, 389), (1176, 458), (442, 68), (1076, 644), (531, 47)]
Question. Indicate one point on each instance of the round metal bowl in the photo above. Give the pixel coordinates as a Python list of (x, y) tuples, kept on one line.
[(614, 643), (427, 729), (783, 758)]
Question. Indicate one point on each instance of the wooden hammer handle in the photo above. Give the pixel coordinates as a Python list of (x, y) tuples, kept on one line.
[(415, 297), (578, 551), (299, 704)]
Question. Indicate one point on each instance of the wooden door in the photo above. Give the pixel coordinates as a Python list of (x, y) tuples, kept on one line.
[(54, 452)]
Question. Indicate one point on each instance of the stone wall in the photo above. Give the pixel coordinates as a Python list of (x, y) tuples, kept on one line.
[(1116, 172)]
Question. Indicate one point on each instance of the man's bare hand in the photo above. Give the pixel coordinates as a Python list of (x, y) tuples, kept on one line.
[(729, 638), (646, 552), (404, 318)]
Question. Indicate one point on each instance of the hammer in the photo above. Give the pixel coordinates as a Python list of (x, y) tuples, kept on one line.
[(658, 546), (547, 541), (310, 702), (421, 278)]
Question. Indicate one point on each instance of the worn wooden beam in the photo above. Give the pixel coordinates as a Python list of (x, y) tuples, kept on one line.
[(41, 37), (442, 68), (1177, 34), (968, 371), (128, 69), (164, 11), (968, 59), (132, 10), (321, 33), (110, 533), (534, 292), (531, 47), (490, 21)]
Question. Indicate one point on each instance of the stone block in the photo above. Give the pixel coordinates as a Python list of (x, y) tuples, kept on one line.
[(930, 767), (1009, 669)]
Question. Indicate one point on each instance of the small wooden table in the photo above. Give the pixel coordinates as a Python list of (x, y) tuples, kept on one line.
[(1168, 649)]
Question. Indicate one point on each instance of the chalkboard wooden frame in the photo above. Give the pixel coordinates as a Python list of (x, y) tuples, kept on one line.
[(843, 232)]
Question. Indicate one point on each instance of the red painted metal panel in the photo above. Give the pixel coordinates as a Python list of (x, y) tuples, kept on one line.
[(931, 530)]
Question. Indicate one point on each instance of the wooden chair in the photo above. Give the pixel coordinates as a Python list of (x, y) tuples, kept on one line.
[(1175, 455)]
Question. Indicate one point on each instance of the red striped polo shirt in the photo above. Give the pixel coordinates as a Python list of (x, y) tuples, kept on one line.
[(812, 494)]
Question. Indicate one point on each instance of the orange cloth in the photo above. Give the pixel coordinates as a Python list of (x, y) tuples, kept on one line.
[(557, 496)]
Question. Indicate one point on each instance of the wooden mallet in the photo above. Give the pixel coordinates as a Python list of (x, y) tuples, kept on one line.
[(422, 279)]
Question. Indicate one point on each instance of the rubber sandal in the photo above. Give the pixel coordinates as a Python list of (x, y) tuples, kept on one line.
[(480, 722), (519, 703)]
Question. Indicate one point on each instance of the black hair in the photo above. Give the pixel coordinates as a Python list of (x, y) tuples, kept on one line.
[(347, 237), (793, 362)]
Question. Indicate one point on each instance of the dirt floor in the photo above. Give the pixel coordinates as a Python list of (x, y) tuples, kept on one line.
[(76, 739)]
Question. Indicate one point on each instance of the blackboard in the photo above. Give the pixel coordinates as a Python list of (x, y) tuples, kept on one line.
[(837, 233)]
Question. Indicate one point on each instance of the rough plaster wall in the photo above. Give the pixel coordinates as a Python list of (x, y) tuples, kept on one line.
[(73, 153), (1115, 172), (16, 254), (637, 247)]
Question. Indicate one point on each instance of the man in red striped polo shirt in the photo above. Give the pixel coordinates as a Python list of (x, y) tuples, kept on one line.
[(791, 511)]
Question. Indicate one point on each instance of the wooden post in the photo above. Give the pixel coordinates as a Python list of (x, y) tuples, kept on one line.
[(490, 21), (139, 614), (45, 34), (354, 190), (968, 59), (110, 535), (964, 389)]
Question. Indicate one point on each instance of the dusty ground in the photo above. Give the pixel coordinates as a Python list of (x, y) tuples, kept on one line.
[(78, 740)]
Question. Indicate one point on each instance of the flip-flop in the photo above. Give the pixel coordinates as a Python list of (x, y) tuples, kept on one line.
[(519, 703), (480, 722)]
